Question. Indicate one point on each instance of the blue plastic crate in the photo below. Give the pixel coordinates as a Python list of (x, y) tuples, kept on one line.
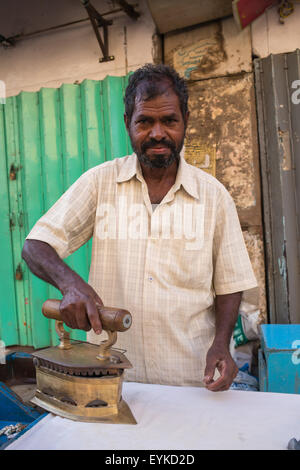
[(13, 410), (279, 359)]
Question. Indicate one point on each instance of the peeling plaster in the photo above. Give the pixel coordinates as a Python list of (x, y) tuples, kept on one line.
[(255, 247), (220, 111)]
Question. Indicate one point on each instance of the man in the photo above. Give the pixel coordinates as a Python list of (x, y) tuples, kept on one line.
[(167, 246)]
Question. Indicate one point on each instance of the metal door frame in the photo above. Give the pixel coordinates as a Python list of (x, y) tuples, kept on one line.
[(278, 117)]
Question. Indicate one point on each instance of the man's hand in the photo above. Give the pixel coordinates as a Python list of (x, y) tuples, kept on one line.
[(78, 307), (218, 357)]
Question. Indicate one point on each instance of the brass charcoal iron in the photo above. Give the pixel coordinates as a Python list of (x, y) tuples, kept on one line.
[(80, 380)]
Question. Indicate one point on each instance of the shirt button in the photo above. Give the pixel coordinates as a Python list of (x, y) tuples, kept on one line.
[(150, 279)]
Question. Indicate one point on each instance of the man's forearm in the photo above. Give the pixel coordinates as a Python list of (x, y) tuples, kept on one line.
[(218, 356), (226, 310), (79, 306), (45, 263)]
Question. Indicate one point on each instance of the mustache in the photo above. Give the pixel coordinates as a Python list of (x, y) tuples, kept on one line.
[(156, 143)]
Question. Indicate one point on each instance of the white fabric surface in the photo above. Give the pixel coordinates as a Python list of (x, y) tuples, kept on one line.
[(169, 417)]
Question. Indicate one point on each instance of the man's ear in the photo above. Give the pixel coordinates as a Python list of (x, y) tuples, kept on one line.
[(186, 118), (126, 120)]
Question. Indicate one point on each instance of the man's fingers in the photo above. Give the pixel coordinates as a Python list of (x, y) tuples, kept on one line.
[(82, 320), (75, 317), (79, 309), (67, 315), (209, 372), (98, 301), (94, 317), (218, 385), (223, 382)]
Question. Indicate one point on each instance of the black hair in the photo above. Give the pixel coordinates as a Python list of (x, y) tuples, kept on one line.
[(153, 77)]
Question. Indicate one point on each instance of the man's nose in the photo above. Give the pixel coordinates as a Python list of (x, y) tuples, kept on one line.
[(157, 131)]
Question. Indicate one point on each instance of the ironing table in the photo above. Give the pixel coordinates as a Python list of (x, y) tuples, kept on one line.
[(178, 418)]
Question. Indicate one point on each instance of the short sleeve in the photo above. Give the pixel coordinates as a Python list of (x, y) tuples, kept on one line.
[(232, 267), (69, 223)]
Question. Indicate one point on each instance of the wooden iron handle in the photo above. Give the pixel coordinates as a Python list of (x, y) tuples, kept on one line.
[(112, 319)]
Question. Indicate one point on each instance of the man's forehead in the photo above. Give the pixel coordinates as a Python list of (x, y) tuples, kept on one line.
[(166, 98), (159, 104), (148, 89)]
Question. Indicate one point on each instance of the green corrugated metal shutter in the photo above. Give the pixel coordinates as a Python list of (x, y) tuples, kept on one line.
[(48, 139)]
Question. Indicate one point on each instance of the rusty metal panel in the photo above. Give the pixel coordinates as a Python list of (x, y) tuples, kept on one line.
[(47, 140), (277, 81)]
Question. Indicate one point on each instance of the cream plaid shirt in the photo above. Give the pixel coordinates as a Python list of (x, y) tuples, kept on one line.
[(165, 265)]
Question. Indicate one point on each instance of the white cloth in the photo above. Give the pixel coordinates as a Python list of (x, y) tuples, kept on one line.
[(178, 418)]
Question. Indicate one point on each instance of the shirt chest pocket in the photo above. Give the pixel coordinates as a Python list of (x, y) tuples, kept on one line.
[(183, 265)]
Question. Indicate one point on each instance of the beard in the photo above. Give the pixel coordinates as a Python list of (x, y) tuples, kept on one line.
[(159, 161)]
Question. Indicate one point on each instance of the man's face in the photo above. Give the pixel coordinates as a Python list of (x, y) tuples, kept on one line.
[(157, 130)]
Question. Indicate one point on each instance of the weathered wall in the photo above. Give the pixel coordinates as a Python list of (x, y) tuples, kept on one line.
[(72, 53), (216, 60), (269, 36)]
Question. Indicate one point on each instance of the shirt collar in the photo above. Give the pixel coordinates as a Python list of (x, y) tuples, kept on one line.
[(185, 175), (129, 169)]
